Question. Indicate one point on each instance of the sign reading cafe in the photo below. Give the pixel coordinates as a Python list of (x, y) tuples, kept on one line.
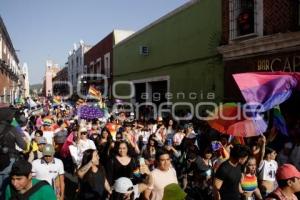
[(285, 63)]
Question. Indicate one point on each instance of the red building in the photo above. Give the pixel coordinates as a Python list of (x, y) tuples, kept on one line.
[(99, 62), (259, 36)]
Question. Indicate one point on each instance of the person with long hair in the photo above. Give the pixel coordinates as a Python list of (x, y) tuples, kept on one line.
[(103, 144), (249, 184), (122, 164), (149, 151), (267, 171), (92, 179)]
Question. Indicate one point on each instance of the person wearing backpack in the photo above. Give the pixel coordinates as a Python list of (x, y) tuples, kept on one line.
[(9, 138), (23, 187)]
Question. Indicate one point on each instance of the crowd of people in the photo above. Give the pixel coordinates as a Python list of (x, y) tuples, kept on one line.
[(152, 159)]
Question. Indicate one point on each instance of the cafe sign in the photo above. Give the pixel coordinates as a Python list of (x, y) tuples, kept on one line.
[(284, 63)]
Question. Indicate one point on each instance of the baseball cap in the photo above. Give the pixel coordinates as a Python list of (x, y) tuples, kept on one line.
[(173, 192), (123, 185), (21, 168), (48, 150), (42, 140), (47, 121), (287, 171)]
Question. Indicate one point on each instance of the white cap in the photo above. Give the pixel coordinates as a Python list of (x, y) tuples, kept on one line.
[(82, 129), (123, 185)]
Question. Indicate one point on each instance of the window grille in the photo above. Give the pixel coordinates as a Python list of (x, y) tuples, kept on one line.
[(243, 18)]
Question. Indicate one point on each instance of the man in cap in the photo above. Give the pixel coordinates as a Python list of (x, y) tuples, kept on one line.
[(51, 170), (288, 179), (22, 184)]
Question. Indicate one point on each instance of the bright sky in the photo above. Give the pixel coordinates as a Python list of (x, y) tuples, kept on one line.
[(47, 29)]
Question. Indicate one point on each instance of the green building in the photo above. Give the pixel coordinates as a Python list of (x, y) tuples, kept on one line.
[(174, 59)]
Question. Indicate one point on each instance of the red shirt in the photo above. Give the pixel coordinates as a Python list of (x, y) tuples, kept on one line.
[(280, 196)]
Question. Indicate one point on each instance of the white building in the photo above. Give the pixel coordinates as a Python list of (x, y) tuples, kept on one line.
[(76, 63)]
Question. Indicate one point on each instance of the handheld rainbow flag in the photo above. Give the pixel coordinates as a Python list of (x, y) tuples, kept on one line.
[(94, 93), (57, 100)]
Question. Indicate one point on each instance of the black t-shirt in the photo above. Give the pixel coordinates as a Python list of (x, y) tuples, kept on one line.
[(231, 177), (116, 170), (92, 185)]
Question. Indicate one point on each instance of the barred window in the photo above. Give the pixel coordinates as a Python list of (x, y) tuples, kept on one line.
[(242, 14)]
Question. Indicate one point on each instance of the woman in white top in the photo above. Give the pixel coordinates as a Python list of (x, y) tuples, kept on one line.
[(267, 171)]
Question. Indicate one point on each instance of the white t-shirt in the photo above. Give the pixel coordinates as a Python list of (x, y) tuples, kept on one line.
[(178, 137), (160, 180), (48, 172), (85, 145), (49, 136), (77, 150), (267, 170)]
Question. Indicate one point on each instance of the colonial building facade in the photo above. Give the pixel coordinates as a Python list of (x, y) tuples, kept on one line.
[(76, 63), (10, 72), (259, 36)]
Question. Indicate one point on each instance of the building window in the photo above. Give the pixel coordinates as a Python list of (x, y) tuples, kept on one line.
[(243, 17)]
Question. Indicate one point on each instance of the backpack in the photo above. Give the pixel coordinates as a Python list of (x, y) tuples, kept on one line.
[(17, 196)]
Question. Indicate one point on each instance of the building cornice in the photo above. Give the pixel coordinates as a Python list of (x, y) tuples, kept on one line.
[(159, 20), (260, 45), (8, 40)]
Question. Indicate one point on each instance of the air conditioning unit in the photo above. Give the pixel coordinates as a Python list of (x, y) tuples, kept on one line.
[(144, 50)]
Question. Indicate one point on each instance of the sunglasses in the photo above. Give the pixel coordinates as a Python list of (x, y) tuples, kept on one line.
[(83, 133), (129, 189)]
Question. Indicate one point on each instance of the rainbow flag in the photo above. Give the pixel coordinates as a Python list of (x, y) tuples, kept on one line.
[(279, 121), (94, 93), (57, 100)]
